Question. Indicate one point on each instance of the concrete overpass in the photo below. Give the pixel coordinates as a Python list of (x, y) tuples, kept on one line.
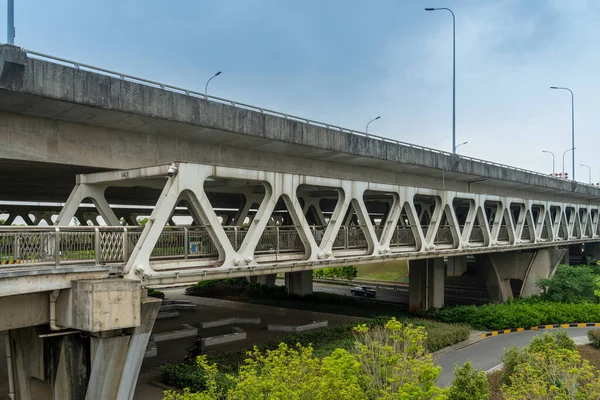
[(265, 192)]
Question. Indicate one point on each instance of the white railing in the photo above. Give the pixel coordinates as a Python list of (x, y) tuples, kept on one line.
[(262, 110)]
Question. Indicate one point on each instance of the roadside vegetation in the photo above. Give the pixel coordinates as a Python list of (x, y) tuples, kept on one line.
[(572, 295), (389, 361), (337, 356)]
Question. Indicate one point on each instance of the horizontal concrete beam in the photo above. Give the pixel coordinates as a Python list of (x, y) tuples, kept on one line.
[(187, 331), (297, 328), (229, 321), (222, 339)]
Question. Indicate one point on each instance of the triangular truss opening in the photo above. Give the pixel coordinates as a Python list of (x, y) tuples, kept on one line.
[(586, 222), (576, 226), (546, 232), (379, 206), (527, 234), (281, 238), (477, 235), (189, 238), (505, 230), (515, 213), (426, 207), (406, 231), (461, 207), (563, 231), (351, 235), (318, 205), (446, 235)]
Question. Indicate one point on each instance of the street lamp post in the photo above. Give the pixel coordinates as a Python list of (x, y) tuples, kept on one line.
[(207, 82), (453, 74), (549, 152), (458, 145), (10, 22), (369, 123), (572, 123), (589, 170), (566, 151)]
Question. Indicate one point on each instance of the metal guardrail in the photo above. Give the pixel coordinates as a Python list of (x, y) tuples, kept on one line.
[(262, 110)]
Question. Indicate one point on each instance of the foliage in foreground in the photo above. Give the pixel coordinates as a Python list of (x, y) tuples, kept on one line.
[(518, 313), (323, 342), (469, 384), (550, 368), (387, 362)]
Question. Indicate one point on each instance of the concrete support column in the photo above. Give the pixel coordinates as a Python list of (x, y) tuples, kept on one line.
[(264, 279), (457, 266), (300, 283), (425, 284), (522, 267), (83, 365)]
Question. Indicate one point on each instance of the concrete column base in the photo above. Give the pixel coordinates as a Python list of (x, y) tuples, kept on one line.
[(425, 284), (300, 283), (102, 365)]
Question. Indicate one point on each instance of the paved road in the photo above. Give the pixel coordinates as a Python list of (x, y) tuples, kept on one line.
[(390, 295), (487, 354)]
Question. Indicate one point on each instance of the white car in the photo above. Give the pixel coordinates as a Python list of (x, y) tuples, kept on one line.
[(364, 291)]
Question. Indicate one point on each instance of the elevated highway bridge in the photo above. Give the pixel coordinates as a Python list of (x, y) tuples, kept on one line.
[(231, 190)]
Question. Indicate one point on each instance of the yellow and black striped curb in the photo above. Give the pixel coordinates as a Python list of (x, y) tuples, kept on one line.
[(539, 327), (8, 262)]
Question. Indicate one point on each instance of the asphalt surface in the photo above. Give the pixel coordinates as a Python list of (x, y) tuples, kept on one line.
[(487, 353), (389, 295)]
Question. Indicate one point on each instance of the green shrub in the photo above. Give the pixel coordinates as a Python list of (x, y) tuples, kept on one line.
[(219, 287), (444, 335), (156, 293), (518, 313), (469, 384), (594, 336), (184, 376)]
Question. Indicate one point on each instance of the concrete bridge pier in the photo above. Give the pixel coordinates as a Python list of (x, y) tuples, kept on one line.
[(100, 360), (268, 279), (515, 273), (425, 284), (300, 283)]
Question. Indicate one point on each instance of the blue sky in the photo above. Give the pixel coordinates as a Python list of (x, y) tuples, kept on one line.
[(345, 62)]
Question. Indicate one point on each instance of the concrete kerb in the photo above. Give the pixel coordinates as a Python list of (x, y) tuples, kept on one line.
[(229, 321), (540, 327), (151, 349), (187, 331), (297, 328), (167, 314), (237, 335)]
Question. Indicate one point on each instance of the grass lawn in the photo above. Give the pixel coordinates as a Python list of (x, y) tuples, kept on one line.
[(396, 271)]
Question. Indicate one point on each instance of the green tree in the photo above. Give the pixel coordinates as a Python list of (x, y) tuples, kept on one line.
[(469, 384), (142, 221), (394, 364), (551, 368), (569, 284)]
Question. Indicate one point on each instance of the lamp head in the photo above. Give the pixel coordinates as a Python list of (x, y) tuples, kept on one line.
[(430, 9)]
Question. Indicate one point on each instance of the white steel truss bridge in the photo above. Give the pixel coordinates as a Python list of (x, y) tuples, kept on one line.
[(284, 223)]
